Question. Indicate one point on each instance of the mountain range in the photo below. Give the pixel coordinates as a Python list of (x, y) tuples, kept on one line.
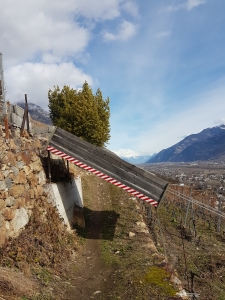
[(133, 157), (209, 144), (137, 159), (37, 113)]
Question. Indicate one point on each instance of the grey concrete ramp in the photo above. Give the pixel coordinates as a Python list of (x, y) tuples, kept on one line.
[(105, 164)]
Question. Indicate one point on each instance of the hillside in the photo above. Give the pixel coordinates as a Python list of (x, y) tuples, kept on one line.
[(206, 145), (125, 251), (45, 261)]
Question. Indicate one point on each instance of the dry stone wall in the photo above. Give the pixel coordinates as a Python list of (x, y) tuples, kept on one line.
[(21, 181)]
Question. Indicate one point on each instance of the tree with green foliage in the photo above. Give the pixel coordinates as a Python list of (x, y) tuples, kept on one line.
[(81, 112)]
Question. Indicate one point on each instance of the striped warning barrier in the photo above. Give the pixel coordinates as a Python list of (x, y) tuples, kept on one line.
[(102, 175)]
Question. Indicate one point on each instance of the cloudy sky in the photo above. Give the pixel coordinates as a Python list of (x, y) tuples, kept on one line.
[(161, 63)]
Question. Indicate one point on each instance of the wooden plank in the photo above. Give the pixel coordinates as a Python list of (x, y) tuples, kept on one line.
[(108, 163), (128, 178), (114, 172), (106, 155)]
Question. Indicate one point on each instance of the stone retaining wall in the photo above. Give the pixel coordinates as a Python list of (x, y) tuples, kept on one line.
[(21, 181)]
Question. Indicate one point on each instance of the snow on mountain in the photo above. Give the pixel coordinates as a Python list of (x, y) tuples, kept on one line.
[(36, 112), (133, 157)]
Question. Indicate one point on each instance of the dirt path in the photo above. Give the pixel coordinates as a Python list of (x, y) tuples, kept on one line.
[(91, 273)]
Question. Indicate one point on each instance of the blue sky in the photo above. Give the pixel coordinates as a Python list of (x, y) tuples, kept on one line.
[(161, 63)]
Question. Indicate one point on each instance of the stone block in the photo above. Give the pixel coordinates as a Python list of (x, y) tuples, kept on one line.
[(27, 170), (2, 185), (35, 192), (20, 220), (2, 204), (36, 166), (13, 146), (32, 179), (2, 220), (4, 159), (17, 191), (18, 157), (37, 144), (20, 164), (8, 182), (4, 194), (8, 213), (3, 235), (20, 178), (10, 201), (26, 157), (17, 132), (20, 202), (15, 171), (27, 145), (41, 178), (27, 198), (34, 157), (11, 158), (31, 192), (7, 172), (39, 190)]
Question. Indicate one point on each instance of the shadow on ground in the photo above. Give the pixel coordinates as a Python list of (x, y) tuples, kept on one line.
[(98, 224)]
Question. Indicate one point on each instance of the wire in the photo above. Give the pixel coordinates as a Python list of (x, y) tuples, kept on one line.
[(196, 202)]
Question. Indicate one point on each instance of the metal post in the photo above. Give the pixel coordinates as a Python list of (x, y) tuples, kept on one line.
[(25, 118), (190, 200), (5, 113), (49, 166), (219, 217), (2, 78), (26, 112)]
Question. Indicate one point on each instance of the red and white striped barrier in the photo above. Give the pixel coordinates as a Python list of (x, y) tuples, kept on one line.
[(102, 175)]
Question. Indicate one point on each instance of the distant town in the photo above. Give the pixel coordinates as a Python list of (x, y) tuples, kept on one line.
[(201, 175)]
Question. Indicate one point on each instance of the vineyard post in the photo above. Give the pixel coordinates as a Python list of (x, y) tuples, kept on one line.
[(219, 217), (190, 200)]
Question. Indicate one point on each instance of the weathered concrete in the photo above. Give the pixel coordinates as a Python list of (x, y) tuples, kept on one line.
[(65, 195)]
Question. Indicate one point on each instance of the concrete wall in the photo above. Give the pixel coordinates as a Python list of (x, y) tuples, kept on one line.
[(65, 196), (15, 116)]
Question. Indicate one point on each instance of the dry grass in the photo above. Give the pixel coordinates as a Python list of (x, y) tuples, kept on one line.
[(43, 249), (14, 283)]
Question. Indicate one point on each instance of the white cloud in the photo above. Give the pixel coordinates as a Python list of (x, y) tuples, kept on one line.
[(205, 108), (190, 4), (129, 153), (35, 29), (126, 31), (131, 8), (193, 3), (32, 29), (38, 38), (35, 79), (98, 9), (163, 34)]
